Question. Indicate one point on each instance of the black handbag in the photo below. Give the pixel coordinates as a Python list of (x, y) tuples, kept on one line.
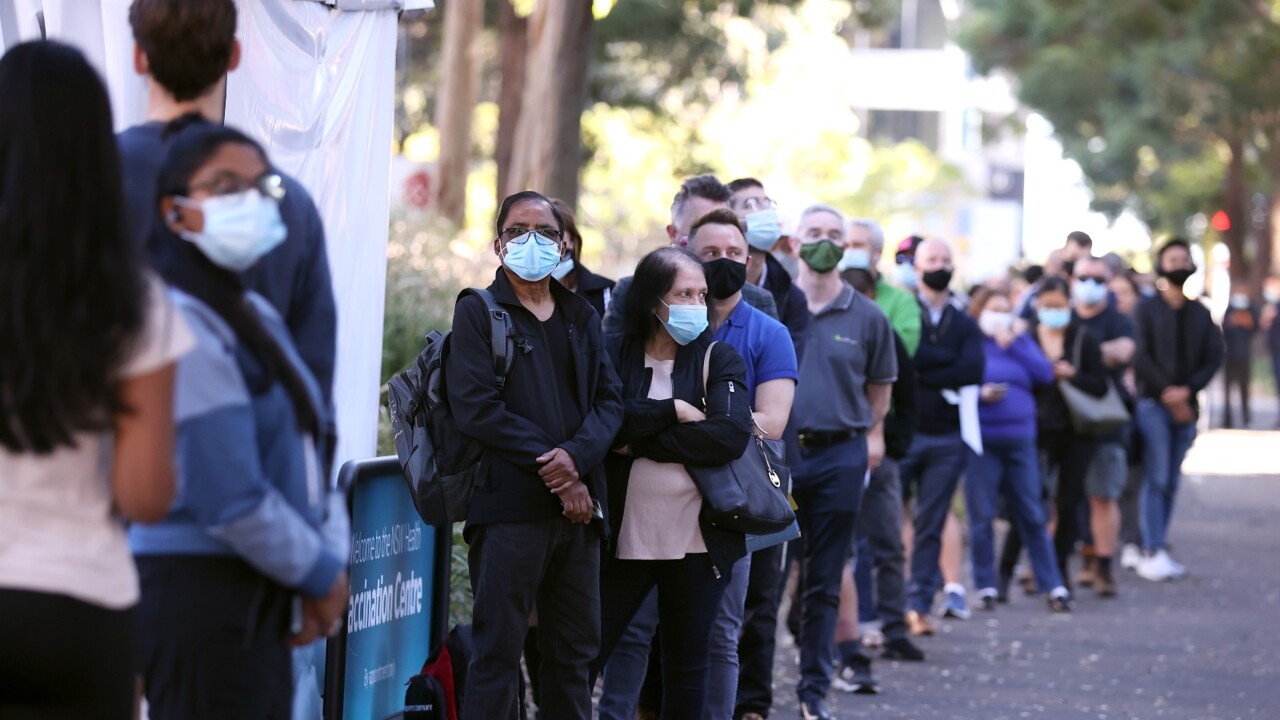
[(1093, 415), (747, 495)]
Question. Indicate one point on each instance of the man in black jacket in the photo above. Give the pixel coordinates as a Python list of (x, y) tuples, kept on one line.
[(535, 521), (950, 357), (1179, 350), (764, 232)]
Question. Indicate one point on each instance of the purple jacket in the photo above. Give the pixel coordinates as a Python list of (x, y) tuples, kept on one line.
[(1022, 366)]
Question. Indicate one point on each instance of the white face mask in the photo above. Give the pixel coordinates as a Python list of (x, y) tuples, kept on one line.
[(993, 322), (238, 229)]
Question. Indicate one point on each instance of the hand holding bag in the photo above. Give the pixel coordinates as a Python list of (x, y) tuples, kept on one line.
[(746, 495), (1092, 415)]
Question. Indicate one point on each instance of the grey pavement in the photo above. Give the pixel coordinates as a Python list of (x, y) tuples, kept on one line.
[(1205, 648)]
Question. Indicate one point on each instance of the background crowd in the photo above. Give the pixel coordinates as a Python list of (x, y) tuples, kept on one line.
[(184, 318)]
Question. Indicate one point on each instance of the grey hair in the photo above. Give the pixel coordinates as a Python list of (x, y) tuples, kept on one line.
[(819, 207), (873, 227)]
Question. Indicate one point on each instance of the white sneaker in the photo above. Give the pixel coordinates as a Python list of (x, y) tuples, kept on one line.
[(1130, 557), (1156, 568), (1179, 570)]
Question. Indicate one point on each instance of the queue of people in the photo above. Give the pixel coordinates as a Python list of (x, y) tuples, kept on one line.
[(185, 327)]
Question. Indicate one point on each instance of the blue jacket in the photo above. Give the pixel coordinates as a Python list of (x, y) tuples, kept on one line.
[(249, 480)]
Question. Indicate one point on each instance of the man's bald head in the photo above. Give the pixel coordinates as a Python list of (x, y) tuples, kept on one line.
[(933, 254)]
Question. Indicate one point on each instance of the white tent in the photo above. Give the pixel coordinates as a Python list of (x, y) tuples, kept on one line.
[(316, 87)]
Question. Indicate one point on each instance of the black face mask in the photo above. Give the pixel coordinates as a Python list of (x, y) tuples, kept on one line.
[(1178, 277), (937, 280), (725, 277)]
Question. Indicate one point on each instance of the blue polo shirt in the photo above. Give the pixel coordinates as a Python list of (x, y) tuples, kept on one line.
[(764, 343)]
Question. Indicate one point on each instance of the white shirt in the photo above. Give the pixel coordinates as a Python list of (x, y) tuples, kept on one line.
[(58, 532)]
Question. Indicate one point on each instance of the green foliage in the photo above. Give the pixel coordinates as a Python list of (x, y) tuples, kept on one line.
[(1141, 92)]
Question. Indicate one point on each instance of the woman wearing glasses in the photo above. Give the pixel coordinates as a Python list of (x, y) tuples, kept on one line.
[(248, 555)]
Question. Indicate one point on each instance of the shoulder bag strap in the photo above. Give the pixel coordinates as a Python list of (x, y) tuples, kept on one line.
[(500, 339)]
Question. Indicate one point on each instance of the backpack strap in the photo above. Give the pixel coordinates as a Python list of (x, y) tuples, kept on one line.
[(501, 338)]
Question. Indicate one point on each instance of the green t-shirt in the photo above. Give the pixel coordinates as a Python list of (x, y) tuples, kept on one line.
[(903, 312)]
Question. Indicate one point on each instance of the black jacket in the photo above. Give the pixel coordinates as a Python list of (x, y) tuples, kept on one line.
[(596, 289), (1052, 414), (520, 423), (650, 428), (900, 425), (950, 357), (793, 306), (1156, 363)]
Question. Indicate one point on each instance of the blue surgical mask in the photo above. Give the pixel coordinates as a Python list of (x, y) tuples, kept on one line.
[(763, 229), (1055, 318), (1089, 292), (532, 256), (905, 273), (563, 269), (686, 323), (854, 259), (238, 229)]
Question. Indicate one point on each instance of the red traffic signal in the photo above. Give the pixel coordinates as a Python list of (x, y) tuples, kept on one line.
[(1221, 221)]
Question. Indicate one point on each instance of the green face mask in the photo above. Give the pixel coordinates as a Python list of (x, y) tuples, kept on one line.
[(821, 257)]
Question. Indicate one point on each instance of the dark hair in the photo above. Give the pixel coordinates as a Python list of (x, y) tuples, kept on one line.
[(744, 183), (570, 227), (187, 42), (982, 296), (653, 279), (1033, 274), (1169, 245), (525, 196), (1053, 283), (193, 141), (706, 187), (1080, 238), (72, 286), (862, 279), (719, 216)]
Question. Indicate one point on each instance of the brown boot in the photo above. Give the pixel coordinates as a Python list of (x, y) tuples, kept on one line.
[(1088, 567), (1104, 582)]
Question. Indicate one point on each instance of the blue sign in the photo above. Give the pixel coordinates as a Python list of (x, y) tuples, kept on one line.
[(391, 622)]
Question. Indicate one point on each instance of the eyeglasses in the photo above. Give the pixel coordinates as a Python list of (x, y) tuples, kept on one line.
[(512, 233), (270, 185), (901, 258), (752, 204), (1093, 278)]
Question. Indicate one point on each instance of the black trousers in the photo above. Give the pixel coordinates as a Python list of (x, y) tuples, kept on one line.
[(63, 659), (211, 640), (1238, 374), (757, 645), (555, 564), (689, 595)]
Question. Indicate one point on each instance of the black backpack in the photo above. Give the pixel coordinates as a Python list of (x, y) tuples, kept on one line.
[(440, 462)]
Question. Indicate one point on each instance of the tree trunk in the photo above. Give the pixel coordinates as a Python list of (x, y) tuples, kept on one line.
[(460, 79), (547, 152), (513, 41), (1235, 202)]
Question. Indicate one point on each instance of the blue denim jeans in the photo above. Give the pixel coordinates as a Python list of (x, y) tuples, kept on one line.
[(722, 684), (1165, 444), (1010, 467), (879, 535), (933, 466), (828, 491)]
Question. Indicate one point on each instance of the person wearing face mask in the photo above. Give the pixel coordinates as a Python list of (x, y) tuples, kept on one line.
[(718, 240), (1268, 320), (764, 238), (535, 524), (1009, 465), (1179, 351), (672, 422), (697, 196), (1109, 471), (252, 550), (949, 358), (571, 273), (847, 370), (1239, 327), (1065, 453)]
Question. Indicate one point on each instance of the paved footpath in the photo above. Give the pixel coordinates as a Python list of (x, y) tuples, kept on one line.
[(1203, 648)]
